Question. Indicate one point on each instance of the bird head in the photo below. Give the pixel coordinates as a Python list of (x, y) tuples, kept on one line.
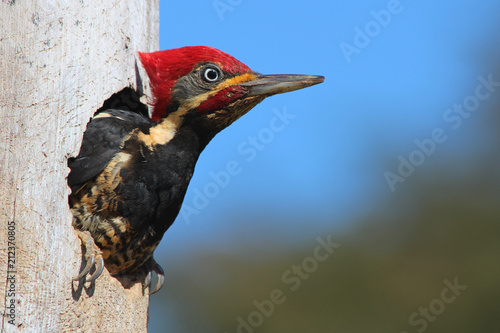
[(209, 89)]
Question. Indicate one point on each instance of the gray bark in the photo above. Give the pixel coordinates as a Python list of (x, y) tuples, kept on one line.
[(59, 60)]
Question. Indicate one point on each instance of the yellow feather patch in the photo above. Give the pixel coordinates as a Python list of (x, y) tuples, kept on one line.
[(163, 132), (235, 80), (106, 115)]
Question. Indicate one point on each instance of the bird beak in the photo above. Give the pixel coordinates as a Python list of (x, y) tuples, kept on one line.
[(267, 85)]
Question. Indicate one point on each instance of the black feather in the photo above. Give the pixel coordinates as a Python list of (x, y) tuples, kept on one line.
[(101, 142)]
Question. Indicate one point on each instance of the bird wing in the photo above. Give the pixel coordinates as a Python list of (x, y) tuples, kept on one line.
[(102, 140)]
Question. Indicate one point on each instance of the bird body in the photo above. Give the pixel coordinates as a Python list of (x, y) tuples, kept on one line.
[(130, 177), (136, 191)]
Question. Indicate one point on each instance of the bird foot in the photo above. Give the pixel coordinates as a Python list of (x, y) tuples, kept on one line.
[(152, 266), (93, 255)]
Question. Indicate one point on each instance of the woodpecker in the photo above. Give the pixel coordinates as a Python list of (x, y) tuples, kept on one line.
[(130, 177)]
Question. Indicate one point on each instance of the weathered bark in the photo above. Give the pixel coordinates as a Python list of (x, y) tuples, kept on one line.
[(59, 61)]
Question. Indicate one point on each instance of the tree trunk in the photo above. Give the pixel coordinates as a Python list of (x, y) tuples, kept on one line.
[(59, 61)]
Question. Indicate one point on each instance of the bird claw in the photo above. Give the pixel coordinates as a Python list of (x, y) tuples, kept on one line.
[(154, 267), (93, 256)]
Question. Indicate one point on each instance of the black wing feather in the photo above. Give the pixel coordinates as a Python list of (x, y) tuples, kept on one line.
[(101, 142)]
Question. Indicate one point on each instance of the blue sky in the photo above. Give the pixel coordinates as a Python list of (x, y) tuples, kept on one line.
[(326, 167)]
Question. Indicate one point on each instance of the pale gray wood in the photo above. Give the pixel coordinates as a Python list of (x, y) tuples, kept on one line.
[(59, 60)]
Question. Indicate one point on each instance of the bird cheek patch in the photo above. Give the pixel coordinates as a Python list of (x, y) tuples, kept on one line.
[(221, 99)]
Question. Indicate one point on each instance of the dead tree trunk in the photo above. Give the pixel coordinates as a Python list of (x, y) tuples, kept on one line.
[(59, 61)]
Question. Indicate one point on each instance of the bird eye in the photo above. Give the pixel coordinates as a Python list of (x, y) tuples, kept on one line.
[(211, 74)]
